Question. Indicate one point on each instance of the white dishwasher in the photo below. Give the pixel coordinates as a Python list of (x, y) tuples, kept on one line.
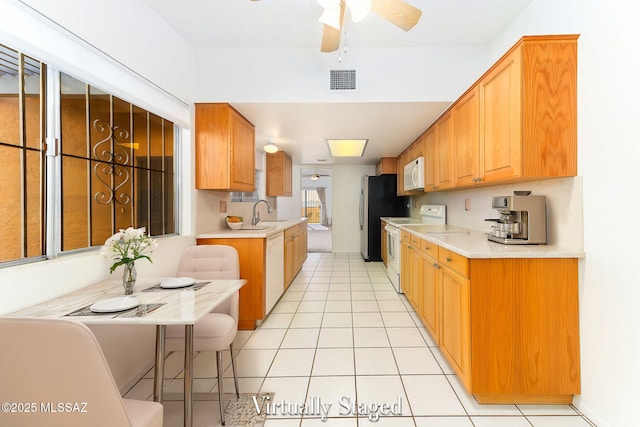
[(275, 270)]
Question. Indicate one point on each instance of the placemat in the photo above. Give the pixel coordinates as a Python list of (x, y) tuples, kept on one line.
[(195, 287), (138, 311)]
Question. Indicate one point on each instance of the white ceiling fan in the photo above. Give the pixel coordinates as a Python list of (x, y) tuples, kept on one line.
[(398, 12), (315, 175)]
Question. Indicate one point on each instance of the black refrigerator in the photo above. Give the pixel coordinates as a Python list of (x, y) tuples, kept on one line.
[(377, 199)]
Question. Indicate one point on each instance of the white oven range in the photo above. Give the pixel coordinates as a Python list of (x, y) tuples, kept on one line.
[(429, 214)]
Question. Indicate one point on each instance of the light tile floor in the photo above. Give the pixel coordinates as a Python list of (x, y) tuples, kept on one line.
[(340, 334)]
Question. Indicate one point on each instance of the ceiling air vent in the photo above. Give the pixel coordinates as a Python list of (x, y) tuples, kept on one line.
[(342, 80)]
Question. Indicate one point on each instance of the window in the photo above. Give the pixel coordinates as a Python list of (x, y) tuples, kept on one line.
[(243, 196), (311, 206), (22, 152), (115, 167)]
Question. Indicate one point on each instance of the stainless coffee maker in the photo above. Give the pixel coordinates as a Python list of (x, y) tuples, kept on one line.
[(523, 219)]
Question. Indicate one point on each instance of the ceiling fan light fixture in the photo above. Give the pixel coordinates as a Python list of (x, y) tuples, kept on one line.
[(314, 177), (331, 15), (358, 9), (270, 147)]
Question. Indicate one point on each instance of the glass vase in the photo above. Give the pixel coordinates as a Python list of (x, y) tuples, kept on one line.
[(129, 278)]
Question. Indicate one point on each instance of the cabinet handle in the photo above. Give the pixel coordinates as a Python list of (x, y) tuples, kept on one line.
[(448, 259), (436, 265)]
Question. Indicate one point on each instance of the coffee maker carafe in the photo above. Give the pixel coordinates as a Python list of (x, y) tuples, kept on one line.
[(523, 219)]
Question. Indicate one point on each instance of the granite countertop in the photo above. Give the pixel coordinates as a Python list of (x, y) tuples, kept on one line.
[(474, 244), (265, 228)]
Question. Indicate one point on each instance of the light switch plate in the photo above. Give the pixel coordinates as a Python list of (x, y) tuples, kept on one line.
[(223, 206), (467, 204)]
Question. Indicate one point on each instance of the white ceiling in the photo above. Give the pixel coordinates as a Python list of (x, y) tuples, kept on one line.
[(390, 126)]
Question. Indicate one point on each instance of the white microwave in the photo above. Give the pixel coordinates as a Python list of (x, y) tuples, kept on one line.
[(414, 175)]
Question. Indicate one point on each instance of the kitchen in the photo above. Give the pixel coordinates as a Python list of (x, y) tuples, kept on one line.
[(608, 291)]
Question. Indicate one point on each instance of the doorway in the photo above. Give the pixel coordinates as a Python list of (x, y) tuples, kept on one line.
[(315, 199)]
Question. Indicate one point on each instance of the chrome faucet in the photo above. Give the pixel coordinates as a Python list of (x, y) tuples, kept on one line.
[(255, 219)]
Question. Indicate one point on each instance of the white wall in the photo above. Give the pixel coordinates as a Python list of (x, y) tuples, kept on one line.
[(563, 200), (346, 201), (292, 75)]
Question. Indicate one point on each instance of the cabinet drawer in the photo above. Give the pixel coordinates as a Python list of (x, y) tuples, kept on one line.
[(454, 261), (428, 248), (405, 236), (415, 241)]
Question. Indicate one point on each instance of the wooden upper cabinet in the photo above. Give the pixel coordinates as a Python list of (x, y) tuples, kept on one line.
[(225, 149), (528, 111), (386, 166), (466, 146), (429, 159), (517, 123), (401, 161), (443, 152), (501, 114), (279, 178)]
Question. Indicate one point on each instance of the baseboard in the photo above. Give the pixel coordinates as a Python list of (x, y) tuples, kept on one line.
[(587, 412)]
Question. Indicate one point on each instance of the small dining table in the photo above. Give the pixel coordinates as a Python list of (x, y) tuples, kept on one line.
[(159, 306)]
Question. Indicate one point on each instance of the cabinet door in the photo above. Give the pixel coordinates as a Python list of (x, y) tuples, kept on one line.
[(417, 279), (444, 143), (501, 118), (303, 244), (242, 154), (455, 339), (466, 118), (288, 176), (400, 174), (279, 174), (429, 159), (288, 260), (431, 297), (406, 257)]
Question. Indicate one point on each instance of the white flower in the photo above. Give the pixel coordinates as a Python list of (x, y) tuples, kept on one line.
[(127, 246)]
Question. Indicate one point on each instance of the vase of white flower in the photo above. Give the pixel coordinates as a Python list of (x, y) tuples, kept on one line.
[(125, 247), (129, 278)]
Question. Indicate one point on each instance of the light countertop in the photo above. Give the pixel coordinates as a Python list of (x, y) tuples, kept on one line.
[(265, 228), (474, 244), (179, 306)]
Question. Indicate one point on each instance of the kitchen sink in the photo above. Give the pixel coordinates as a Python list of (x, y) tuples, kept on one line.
[(254, 227)]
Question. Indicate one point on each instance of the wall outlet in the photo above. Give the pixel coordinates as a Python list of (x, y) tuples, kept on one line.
[(223, 206), (467, 204)]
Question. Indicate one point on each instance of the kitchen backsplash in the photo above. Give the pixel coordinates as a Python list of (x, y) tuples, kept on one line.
[(208, 215), (563, 197)]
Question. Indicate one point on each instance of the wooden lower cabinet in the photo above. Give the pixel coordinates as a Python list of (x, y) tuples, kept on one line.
[(507, 326), (295, 251), (527, 342), (431, 293), (455, 341), (252, 254)]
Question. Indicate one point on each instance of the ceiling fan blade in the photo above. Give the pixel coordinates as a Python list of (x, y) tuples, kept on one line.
[(397, 12), (330, 39), (331, 36)]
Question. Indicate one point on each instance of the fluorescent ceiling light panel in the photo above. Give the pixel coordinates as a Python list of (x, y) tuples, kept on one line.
[(347, 147)]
